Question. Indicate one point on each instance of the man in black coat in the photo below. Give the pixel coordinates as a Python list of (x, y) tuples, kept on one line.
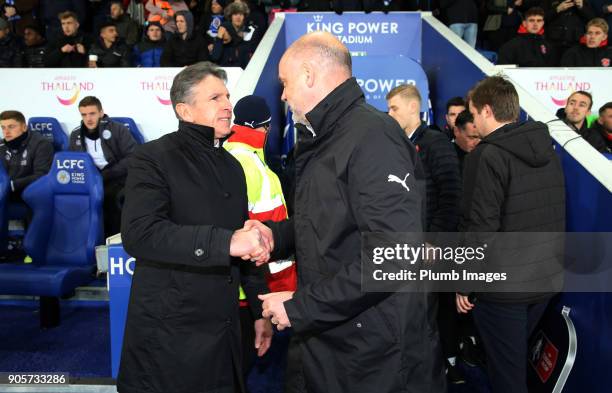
[(466, 136), (70, 49), (513, 182), (27, 154), (186, 47), (575, 113), (593, 50), (127, 28), (11, 47), (35, 47), (565, 21), (186, 201), (109, 144), (356, 172), (438, 158), (109, 50), (602, 128), (529, 48), (443, 182)]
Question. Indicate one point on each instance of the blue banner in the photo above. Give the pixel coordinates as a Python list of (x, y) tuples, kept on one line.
[(364, 34), (120, 270), (377, 75)]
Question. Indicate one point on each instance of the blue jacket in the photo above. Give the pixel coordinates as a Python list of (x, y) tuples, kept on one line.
[(147, 53)]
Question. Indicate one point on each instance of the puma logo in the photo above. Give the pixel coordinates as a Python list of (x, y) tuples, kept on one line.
[(395, 179)]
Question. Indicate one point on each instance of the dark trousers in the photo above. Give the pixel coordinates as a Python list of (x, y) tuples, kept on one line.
[(247, 330), (505, 330), (452, 325), (113, 203), (294, 375)]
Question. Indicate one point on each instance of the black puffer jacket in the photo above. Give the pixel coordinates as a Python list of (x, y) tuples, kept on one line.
[(27, 161), (565, 28), (118, 55), (34, 56), (443, 179), (583, 56), (513, 182), (527, 50), (56, 58)]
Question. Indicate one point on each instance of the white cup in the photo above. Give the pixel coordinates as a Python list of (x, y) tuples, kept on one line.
[(93, 58)]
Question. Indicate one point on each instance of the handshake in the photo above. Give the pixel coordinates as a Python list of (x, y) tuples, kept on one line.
[(253, 242)]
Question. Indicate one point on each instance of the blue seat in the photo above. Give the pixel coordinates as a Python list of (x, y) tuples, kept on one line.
[(52, 129), (67, 225), (131, 125)]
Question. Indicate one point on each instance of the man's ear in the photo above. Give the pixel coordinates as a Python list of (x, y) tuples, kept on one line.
[(487, 111), (184, 112), (309, 73)]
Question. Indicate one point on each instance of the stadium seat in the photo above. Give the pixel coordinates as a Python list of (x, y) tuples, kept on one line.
[(131, 125), (52, 129), (66, 226)]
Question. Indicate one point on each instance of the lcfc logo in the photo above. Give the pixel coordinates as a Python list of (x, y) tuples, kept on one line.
[(63, 177), (318, 18)]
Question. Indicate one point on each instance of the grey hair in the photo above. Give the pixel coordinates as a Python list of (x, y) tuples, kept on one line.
[(183, 83)]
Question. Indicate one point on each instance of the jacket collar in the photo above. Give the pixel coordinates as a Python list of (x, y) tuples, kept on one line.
[(18, 142), (325, 114), (603, 43), (523, 31), (248, 136), (418, 133), (203, 135)]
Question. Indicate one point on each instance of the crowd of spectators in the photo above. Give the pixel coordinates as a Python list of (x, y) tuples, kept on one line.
[(124, 33), (128, 33)]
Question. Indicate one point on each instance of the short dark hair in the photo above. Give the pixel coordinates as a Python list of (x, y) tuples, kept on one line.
[(67, 14), (455, 101), (463, 118), (106, 23), (605, 107), (534, 11), (584, 93), (500, 94), (90, 101), (13, 115)]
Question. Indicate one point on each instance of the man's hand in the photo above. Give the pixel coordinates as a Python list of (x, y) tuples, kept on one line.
[(567, 4), (274, 308), (267, 238), (67, 48), (224, 35), (463, 304), (248, 242), (80, 48), (263, 336), (579, 3)]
